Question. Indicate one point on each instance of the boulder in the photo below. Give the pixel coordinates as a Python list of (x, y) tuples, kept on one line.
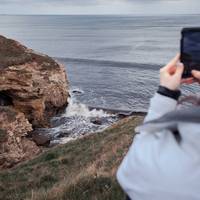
[(34, 83), (96, 120), (14, 146), (41, 136)]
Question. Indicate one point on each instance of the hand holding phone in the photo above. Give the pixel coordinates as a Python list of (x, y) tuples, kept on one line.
[(170, 74)]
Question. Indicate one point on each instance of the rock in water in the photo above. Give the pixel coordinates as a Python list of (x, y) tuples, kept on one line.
[(36, 84), (96, 120), (33, 88)]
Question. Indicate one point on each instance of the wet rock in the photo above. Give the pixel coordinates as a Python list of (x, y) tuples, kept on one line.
[(96, 120), (14, 146), (62, 133), (76, 91), (36, 84), (41, 136), (57, 121), (124, 114)]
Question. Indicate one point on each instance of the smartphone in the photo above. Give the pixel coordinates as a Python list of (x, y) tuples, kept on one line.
[(190, 50)]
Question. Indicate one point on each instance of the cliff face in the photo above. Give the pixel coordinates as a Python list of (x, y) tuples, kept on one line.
[(14, 146), (35, 83), (33, 87)]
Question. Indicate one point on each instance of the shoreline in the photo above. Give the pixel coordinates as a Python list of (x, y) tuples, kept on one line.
[(47, 137), (122, 113)]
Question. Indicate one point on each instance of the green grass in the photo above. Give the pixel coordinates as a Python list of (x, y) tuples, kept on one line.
[(11, 53), (84, 169)]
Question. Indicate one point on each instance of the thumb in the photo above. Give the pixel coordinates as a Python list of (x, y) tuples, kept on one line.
[(196, 74)]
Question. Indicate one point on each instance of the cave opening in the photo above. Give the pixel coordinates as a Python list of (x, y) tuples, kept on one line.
[(5, 98)]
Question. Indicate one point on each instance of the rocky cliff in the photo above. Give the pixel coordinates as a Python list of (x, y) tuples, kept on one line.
[(14, 146), (33, 88)]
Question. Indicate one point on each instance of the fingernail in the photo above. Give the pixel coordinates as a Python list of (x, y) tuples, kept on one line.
[(180, 64)]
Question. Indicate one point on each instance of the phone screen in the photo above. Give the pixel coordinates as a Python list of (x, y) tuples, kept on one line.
[(190, 51)]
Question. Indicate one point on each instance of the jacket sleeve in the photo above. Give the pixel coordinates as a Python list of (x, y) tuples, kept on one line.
[(160, 105), (143, 152)]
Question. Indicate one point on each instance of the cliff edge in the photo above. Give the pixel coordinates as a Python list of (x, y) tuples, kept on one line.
[(33, 88)]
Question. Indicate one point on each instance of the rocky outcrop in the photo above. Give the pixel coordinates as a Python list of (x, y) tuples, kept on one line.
[(35, 83), (14, 146), (33, 88)]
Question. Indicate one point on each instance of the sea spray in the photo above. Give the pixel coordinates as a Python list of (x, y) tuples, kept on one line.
[(78, 120), (79, 109)]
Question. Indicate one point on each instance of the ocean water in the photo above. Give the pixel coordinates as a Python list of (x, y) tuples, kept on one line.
[(113, 60)]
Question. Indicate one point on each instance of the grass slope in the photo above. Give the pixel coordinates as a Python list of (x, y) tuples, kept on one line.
[(79, 170)]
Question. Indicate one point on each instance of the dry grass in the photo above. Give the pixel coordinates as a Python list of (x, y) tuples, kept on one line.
[(83, 169)]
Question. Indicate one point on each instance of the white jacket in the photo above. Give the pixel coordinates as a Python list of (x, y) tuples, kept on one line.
[(156, 166)]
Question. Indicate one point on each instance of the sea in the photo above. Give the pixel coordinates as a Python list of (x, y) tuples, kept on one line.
[(112, 61)]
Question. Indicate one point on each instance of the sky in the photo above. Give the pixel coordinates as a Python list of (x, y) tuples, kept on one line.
[(87, 7)]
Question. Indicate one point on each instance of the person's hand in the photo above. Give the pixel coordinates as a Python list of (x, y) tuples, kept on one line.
[(171, 74), (196, 75)]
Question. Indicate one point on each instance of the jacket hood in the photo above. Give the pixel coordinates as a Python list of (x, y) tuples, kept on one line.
[(173, 121)]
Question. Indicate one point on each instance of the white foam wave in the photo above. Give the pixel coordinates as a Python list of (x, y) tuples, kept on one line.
[(78, 109)]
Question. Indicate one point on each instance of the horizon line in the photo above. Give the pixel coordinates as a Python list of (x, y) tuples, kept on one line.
[(99, 14)]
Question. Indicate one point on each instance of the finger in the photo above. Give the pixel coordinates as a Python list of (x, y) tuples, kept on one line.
[(171, 66), (185, 80), (196, 74), (174, 61), (179, 70), (176, 69), (188, 81), (172, 70)]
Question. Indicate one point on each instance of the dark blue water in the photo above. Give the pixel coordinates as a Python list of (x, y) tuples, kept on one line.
[(114, 60)]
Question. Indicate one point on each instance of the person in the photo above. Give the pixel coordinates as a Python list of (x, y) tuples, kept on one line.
[(163, 162)]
